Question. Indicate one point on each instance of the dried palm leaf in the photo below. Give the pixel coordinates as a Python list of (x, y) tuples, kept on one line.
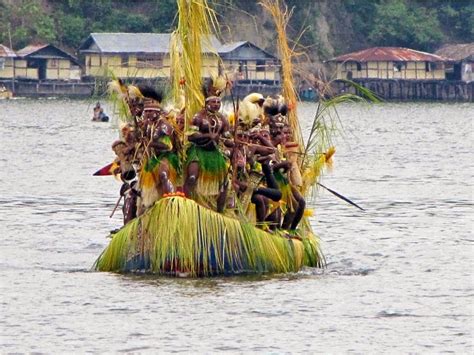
[(183, 236)]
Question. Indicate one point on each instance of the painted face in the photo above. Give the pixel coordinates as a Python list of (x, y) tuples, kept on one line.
[(286, 134), (253, 137), (151, 115), (242, 136), (213, 104), (275, 131)]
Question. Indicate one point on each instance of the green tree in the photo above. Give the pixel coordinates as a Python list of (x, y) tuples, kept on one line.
[(398, 25), (71, 29), (44, 28), (162, 15)]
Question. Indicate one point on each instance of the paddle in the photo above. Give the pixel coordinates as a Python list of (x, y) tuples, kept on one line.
[(341, 197)]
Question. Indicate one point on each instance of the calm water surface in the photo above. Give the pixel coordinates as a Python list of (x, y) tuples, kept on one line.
[(399, 277)]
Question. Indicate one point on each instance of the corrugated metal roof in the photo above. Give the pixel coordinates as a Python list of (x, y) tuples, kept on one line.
[(383, 54), (229, 47), (6, 52), (457, 51), (136, 42), (30, 49), (55, 52)]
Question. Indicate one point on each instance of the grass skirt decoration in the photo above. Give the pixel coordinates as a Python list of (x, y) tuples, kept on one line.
[(149, 176), (177, 235), (213, 169)]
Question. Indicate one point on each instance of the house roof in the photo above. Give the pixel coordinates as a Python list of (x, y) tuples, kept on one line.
[(45, 51), (28, 50), (230, 47), (457, 51), (385, 54), (133, 43), (6, 52)]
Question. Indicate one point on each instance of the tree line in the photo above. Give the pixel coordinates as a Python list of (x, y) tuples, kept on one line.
[(417, 24)]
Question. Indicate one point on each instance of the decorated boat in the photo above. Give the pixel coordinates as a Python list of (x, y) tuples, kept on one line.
[(212, 194), (178, 236)]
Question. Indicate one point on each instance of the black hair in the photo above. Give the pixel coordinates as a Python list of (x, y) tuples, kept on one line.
[(271, 110), (151, 93), (283, 109)]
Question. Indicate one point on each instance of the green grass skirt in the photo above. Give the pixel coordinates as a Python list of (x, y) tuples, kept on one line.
[(212, 169)]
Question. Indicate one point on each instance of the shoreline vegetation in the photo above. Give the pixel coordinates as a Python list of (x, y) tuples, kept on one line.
[(314, 31), (420, 25)]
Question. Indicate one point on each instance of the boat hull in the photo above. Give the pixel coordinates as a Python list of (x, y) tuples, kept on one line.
[(178, 236)]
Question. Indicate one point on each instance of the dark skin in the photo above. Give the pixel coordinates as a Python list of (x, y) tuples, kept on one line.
[(291, 218), (127, 173), (136, 107), (272, 192), (129, 208), (211, 125), (157, 126), (248, 148)]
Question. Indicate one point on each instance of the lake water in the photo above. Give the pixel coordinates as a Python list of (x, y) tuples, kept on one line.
[(399, 277)]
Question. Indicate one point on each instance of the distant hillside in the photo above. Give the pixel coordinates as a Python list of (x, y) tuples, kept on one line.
[(321, 28)]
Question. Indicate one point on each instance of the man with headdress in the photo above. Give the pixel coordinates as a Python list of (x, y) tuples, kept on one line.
[(294, 201), (160, 162), (206, 170), (253, 158), (125, 149)]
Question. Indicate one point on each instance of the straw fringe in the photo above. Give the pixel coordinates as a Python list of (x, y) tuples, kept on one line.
[(281, 16), (182, 236)]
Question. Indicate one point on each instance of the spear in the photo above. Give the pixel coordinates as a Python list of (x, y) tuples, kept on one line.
[(341, 197), (116, 206)]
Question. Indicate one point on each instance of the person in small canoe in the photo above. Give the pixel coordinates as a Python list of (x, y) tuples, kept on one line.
[(99, 114)]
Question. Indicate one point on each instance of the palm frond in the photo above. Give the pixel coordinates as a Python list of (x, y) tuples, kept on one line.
[(196, 22), (281, 16), (326, 124)]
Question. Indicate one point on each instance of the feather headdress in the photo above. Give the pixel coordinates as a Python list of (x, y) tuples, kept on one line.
[(251, 107), (214, 86)]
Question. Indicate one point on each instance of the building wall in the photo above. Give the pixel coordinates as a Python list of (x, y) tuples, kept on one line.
[(136, 66), (129, 66), (6, 68), (247, 70), (411, 90), (390, 70), (126, 66), (58, 69), (23, 72)]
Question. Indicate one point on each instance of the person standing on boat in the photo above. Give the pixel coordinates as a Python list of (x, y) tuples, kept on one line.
[(254, 178), (160, 162), (125, 149), (206, 165), (294, 201)]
